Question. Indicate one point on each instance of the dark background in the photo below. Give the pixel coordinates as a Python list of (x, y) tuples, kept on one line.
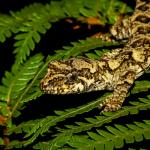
[(7, 5)]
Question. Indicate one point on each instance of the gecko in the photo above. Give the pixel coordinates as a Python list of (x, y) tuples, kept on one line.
[(115, 71)]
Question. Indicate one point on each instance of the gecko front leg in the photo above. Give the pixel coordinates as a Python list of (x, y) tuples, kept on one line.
[(116, 99)]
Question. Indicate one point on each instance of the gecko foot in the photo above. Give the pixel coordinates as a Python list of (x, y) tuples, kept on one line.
[(111, 104)]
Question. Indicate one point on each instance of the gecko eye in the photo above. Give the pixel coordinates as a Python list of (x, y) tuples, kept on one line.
[(73, 76)]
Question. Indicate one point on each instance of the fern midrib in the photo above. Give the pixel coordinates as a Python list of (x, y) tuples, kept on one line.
[(24, 44), (10, 89)]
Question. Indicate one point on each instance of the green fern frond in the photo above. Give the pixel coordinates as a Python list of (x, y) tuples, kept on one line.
[(113, 9), (97, 121), (12, 23), (40, 126), (36, 19), (109, 9), (141, 86), (35, 16), (142, 104), (54, 145), (98, 54), (32, 94), (7, 26), (15, 82), (113, 137), (26, 42), (43, 125), (23, 127), (29, 23), (29, 32), (83, 46)]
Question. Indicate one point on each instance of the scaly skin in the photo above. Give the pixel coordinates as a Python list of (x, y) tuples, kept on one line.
[(116, 70)]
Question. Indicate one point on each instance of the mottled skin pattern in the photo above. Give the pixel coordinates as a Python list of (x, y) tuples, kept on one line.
[(115, 71)]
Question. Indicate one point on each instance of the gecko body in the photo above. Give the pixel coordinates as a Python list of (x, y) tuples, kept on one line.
[(116, 70)]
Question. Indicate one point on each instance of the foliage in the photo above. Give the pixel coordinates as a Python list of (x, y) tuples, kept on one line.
[(78, 126)]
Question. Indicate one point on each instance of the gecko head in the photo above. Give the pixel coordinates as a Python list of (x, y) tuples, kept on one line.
[(68, 77)]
